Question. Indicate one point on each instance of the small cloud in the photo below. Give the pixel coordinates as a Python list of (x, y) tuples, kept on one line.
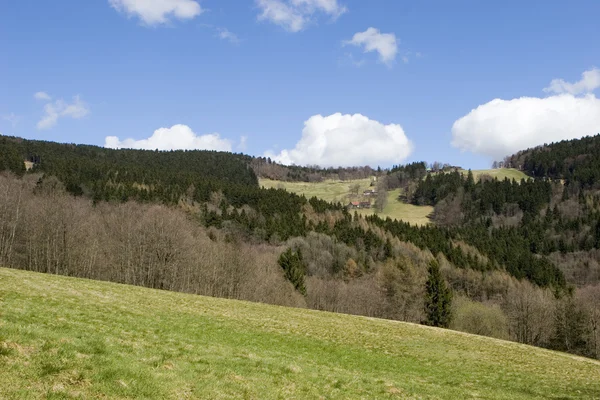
[(243, 144), (385, 44), (177, 137), (405, 59), (12, 118), (294, 15), (42, 96), (418, 54), (590, 81), (226, 34), (156, 12), (346, 140), (59, 109)]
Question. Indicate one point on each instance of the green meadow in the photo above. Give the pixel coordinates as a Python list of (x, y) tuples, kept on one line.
[(67, 338), (500, 173), (335, 191)]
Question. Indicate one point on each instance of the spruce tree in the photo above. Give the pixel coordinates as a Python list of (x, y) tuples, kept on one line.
[(293, 267), (438, 298)]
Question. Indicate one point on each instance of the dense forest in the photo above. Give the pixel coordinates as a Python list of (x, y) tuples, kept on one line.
[(197, 221)]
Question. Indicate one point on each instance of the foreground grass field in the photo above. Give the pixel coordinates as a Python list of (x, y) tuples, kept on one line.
[(67, 338), (339, 190)]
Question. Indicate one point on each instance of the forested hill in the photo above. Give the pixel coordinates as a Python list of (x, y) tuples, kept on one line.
[(576, 161), (123, 174), (177, 220)]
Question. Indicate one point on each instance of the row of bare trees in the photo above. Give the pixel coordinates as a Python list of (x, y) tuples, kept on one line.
[(45, 230)]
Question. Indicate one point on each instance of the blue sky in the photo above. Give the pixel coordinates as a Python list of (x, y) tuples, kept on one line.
[(277, 73)]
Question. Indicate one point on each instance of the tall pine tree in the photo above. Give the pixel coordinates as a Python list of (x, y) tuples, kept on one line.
[(438, 298)]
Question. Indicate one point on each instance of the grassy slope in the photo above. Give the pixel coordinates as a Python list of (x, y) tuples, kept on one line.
[(73, 338), (499, 173), (338, 190)]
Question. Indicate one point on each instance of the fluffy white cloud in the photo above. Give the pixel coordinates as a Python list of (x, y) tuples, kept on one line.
[(154, 12), (347, 140), (294, 15), (177, 137), (503, 127), (373, 40), (59, 109), (590, 81), (42, 96)]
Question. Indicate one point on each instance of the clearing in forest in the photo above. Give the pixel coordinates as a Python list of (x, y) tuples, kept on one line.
[(341, 191)]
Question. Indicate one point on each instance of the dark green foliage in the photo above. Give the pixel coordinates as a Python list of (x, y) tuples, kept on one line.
[(438, 298), (400, 176), (294, 268), (576, 161), (10, 158)]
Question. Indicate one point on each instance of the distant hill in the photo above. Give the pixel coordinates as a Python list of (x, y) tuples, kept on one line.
[(107, 174), (576, 160), (73, 338)]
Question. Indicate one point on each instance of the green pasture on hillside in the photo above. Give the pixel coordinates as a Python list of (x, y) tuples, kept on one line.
[(67, 338)]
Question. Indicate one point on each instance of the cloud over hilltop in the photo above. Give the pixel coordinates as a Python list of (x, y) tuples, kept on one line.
[(502, 127), (346, 140), (177, 137)]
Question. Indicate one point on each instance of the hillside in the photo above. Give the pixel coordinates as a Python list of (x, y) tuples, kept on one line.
[(574, 161), (133, 217), (498, 173), (73, 338), (336, 190)]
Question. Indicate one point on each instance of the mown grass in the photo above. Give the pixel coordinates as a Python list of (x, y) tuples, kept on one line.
[(64, 338), (339, 190)]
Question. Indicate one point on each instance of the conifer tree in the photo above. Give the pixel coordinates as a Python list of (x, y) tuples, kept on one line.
[(438, 298), (293, 267)]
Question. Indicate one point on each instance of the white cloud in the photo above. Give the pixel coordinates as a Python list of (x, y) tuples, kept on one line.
[(243, 144), (503, 127), (59, 108), (226, 34), (177, 137), (12, 118), (347, 140), (42, 96), (294, 15), (154, 12), (373, 40), (590, 81)]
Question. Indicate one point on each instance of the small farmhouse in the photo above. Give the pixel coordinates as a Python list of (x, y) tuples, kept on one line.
[(359, 204)]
